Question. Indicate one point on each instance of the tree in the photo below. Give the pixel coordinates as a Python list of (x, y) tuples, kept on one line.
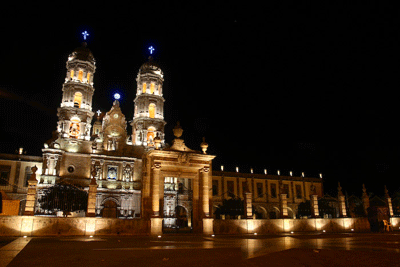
[(304, 209), (63, 197), (232, 207)]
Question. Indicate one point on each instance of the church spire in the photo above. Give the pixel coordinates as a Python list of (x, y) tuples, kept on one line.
[(75, 111), (148, 120)]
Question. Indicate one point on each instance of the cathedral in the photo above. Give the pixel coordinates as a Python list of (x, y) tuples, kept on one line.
[(139, 175)]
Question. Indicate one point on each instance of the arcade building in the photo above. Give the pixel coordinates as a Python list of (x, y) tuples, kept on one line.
[(139, 176)]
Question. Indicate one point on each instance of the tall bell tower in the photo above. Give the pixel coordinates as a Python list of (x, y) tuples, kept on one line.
[(75, 113), (148, 120)]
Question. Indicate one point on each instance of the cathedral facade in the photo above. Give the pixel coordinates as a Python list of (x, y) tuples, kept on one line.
[(139, 175)]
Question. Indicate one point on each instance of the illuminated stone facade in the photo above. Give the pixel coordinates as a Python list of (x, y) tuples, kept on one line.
[(138, 175)]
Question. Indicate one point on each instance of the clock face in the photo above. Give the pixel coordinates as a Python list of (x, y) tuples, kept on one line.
[(115, 116)]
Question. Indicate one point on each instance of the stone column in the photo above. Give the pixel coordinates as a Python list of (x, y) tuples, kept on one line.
[(208, 228), (205, 192), (365, 200), (314, 206), (31, 195), (155, 189), (342, 203), (155, 220), (91, 206), (388, 201), (283, 205)]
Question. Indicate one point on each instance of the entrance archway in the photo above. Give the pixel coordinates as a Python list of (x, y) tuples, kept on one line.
[(110, 209)]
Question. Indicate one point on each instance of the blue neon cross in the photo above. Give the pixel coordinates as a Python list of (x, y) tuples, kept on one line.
[(85, 33), (151, 48)]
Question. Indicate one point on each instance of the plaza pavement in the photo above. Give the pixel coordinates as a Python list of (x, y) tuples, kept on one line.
[(351, 249)]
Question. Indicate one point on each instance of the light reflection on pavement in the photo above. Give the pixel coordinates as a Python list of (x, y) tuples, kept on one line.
[(172, 250)]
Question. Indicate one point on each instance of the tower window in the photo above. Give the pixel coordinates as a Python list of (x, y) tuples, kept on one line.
[(72, 74), (152, 88), (80, 75), (152, 110), (88, 77), (77, 99), (144, 88)]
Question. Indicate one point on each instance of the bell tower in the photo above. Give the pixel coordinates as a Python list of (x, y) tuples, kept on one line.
[(75, 113), (148, 120)]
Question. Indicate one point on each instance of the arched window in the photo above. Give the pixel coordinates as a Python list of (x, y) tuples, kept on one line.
[(88, 77), (77, 99), (72, 74), (80, 75), (152, 110), (144, 88), (152, 88)]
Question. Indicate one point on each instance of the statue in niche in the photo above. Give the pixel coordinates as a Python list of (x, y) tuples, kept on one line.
[(127, 174), (74, 130)]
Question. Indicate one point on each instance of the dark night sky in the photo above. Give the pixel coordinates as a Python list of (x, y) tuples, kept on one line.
[(302, 87)]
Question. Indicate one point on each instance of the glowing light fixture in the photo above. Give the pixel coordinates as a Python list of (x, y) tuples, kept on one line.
[(302, 174), (320, 175), (279, 172), (255, 233), (251, 170), (85, 34), (151, 49), (291, 232), (25, 236), (323, 231), (117, 96), (291, 173), (159, 236), (222, 167), (212, 235)]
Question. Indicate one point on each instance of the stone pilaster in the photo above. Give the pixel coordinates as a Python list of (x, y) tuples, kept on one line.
[(342, 203), (248, 209), (283, 205), (388, 201), (314, 206), (91, 206), (31, 195)]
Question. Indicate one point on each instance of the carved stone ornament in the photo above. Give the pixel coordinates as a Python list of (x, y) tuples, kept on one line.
[(206, 169), (313, 189), (157, 165), (183, 158)]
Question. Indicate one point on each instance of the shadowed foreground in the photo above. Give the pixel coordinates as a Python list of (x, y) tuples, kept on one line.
[(184, 250)]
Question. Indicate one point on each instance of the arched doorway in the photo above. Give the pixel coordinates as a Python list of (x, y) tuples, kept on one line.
[(110, 209)]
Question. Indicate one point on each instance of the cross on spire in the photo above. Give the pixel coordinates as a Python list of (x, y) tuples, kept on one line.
[(151, 48), (98, 113), (85, 34)]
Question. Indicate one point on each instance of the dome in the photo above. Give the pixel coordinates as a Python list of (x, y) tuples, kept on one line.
[(151, 67), (82, 53)]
